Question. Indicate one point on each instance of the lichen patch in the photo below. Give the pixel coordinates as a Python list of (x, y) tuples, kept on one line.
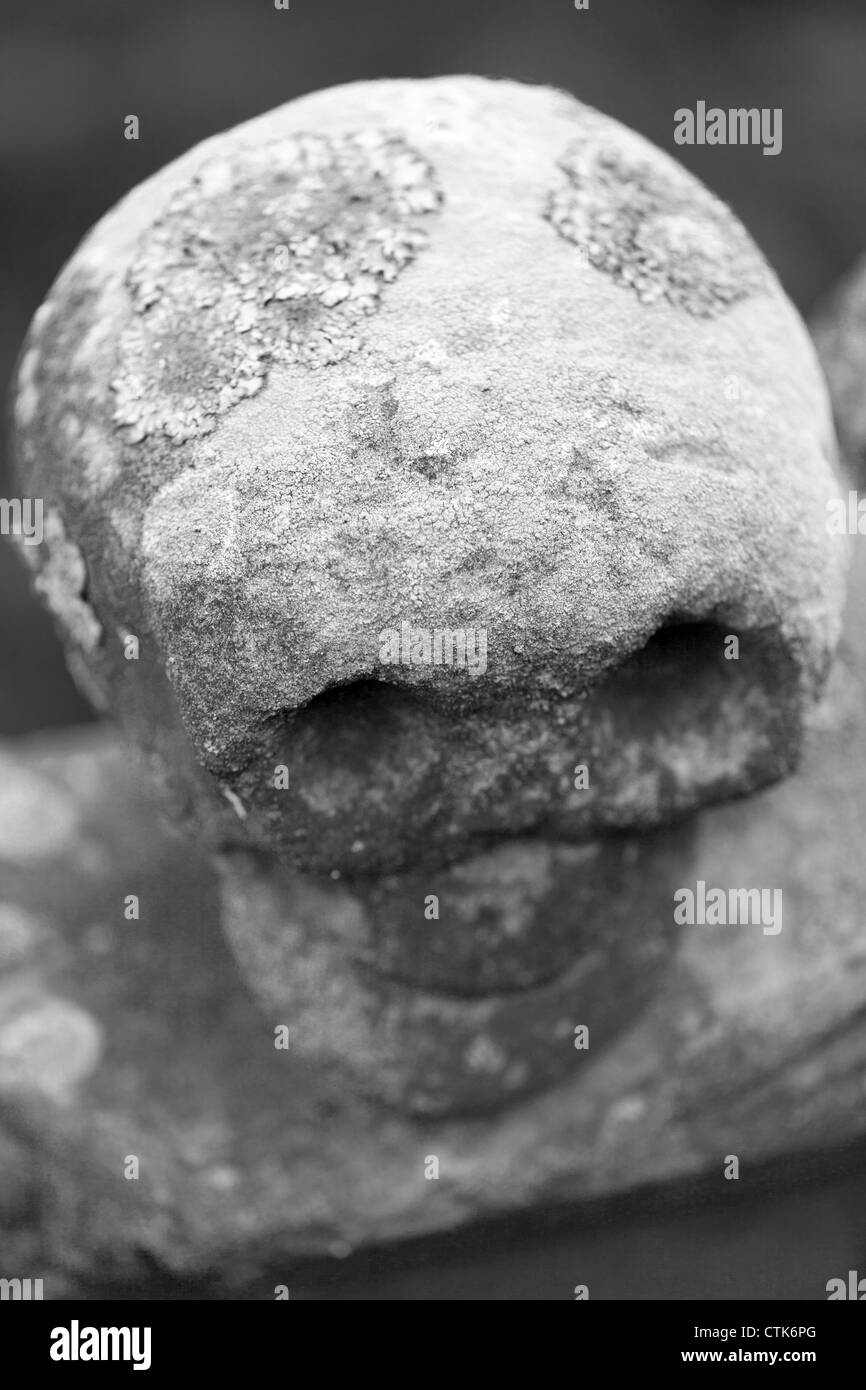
[(21, 933), (38, 819), (27, 399), (62, 583), (271, 254), (653, 228), (47, 1044)]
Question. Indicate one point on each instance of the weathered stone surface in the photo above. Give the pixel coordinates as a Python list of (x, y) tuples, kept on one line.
[(436, 355), (251, 1157), (612, 452), (458, 353), (481, 1004)]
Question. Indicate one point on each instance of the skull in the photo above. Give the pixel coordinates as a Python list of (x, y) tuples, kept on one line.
[(390, 433)]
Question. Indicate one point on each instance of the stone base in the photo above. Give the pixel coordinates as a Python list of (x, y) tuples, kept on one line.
[(124, 1038)]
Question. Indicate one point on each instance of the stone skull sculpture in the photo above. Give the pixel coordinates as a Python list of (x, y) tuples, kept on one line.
[(435, 480)]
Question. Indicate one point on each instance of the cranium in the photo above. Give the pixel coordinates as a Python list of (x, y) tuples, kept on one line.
[(454, 355)]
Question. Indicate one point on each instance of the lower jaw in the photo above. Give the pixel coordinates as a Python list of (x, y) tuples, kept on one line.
[(457, 993)]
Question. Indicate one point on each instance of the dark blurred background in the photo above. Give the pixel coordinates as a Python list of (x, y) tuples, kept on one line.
[(70, 72)]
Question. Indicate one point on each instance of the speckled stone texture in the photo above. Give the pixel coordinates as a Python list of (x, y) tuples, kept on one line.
[(251, 1158), (457, 353), (465, 1011)]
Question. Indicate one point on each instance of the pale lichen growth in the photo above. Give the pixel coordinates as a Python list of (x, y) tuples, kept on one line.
[(62, 583), (47, 1044), (38, 819), (27, 399), (21, 933), (656, 230), (275, 253)]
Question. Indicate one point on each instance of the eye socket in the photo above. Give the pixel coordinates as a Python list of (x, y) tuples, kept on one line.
[(716, 658), (354, 726), (357, 693), (689, 672), (382, 777), (682, 640), (685, 662), (697, 713), (366, 777)]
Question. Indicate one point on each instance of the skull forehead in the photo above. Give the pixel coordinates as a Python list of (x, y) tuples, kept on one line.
[(502, 403), (445, 226), (568, 535)]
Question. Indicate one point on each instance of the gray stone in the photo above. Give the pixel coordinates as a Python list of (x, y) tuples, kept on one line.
[(609, 447), (507, 367), (252, 1157), (447, 356)]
